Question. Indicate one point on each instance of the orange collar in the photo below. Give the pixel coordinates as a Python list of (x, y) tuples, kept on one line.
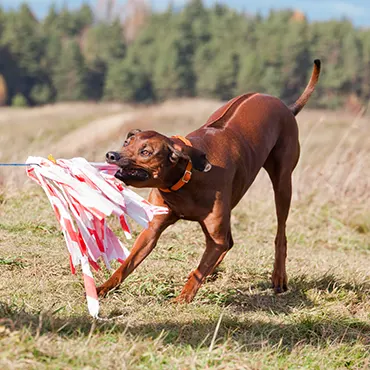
[(187, 174), (183, 139)]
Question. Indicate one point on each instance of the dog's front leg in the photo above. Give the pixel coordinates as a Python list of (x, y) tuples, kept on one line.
[(144, 244), (218, 242)]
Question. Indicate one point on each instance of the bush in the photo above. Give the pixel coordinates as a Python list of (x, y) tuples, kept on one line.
[(19, 101), (41, 94)]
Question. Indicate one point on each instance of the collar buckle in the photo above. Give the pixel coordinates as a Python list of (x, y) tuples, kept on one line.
[(187, 176)]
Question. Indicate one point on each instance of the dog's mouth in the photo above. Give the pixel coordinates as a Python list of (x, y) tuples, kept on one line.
[(135, 174)]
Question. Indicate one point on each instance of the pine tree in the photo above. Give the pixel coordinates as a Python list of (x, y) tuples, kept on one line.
[(83, 18), (2, 23), (50, 22), (127, 82), (138, 64), (104, 46), (21, 35), (327, 43), (197, 17), (271, 81), (296, 60), (251, 72), (105, 42), (65, 23), (195, 50), (53, 51), (217, 60), (352, 65), (204, 61), (173, 73), (70, 74), (364, 74), (22, 38)]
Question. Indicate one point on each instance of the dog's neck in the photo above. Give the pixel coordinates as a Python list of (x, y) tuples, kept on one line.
[(187, 174)]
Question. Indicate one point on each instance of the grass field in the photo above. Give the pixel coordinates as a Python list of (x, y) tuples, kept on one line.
[(235, 322)]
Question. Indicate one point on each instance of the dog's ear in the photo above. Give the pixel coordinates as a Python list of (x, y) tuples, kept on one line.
[(175, 155), (133, 132), (197, 157)]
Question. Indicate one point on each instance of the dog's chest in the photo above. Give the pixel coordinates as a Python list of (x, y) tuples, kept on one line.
[(188, 208)]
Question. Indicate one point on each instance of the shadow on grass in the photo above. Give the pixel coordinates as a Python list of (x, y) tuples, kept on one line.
[(260, 296), (315, 330), (318, 328)]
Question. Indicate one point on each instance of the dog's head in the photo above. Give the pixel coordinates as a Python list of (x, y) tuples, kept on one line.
[(149, 159)]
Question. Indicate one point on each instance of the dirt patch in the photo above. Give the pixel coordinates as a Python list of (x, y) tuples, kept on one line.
[(80, 140)]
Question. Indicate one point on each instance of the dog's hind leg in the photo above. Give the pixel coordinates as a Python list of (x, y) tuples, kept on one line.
[(280, 166), (283, 194)]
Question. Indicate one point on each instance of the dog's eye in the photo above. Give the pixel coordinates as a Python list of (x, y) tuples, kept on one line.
[(125, 143), (145, 153)]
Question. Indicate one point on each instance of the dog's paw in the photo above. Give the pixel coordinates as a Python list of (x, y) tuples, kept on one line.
[(177, 300), (280, 289), (102, 291), (279, 283), (182, 299)]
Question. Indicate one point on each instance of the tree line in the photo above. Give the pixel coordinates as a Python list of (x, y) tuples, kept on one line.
[(147, 56)]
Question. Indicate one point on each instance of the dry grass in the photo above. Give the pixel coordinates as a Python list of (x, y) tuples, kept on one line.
[(38, 131), (322, 322)]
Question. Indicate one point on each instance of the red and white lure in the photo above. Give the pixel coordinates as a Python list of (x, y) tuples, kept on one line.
[(82, 195)]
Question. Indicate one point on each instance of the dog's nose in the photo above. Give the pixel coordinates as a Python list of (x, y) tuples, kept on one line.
[(112, 157)]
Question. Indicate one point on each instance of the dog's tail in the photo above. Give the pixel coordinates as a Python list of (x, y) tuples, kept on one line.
[(303, 99)]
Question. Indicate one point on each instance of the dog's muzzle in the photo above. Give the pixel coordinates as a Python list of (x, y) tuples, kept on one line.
[(112, 157)]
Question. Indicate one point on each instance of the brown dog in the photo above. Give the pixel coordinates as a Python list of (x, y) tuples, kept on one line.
[(203, 177)]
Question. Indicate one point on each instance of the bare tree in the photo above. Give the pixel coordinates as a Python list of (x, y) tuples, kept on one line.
[(136, 13)]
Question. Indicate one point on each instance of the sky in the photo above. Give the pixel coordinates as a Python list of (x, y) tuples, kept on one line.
[(358, 11)]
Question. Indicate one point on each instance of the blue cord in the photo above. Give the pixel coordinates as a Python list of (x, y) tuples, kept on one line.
[(18, 164)]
